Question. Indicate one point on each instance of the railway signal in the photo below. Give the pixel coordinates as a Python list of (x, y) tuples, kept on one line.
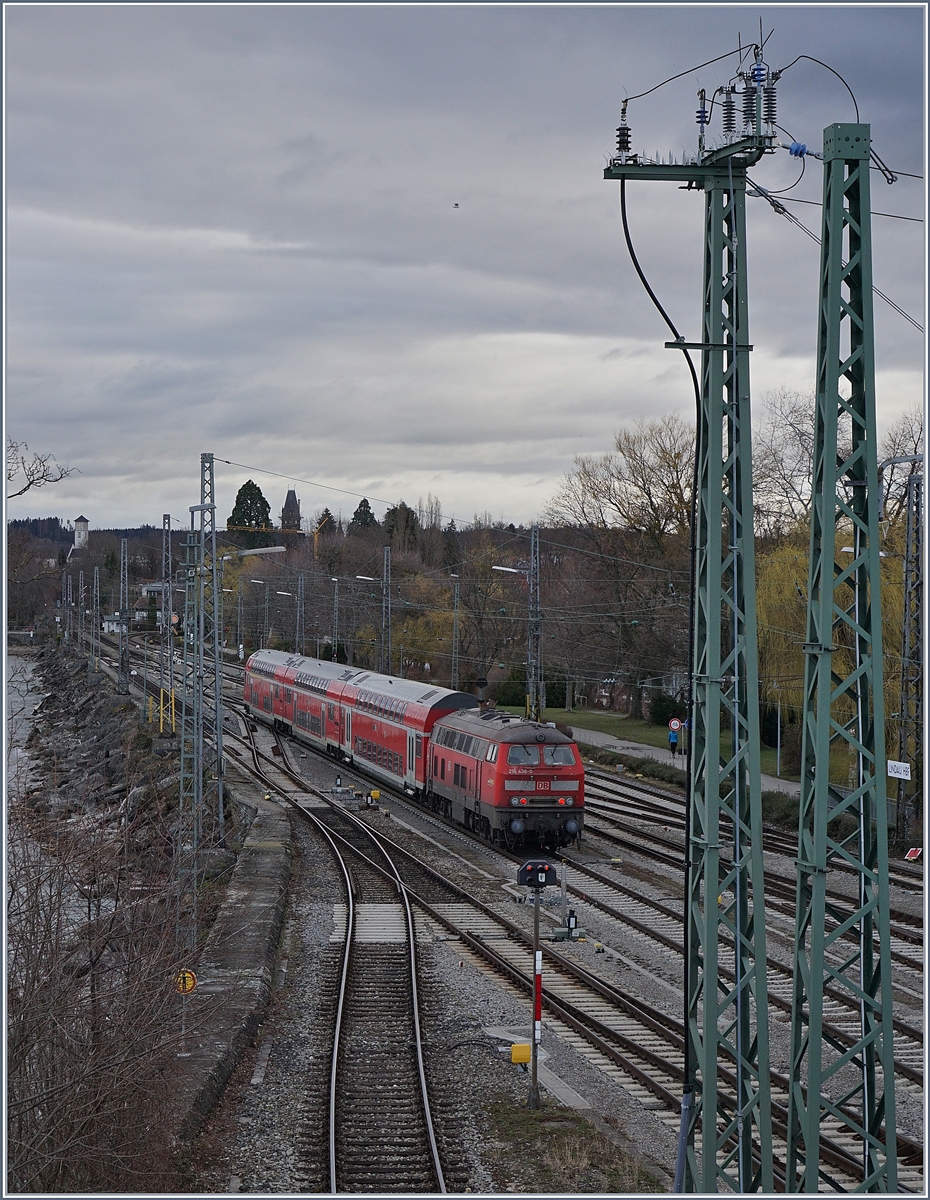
[(536, 873)]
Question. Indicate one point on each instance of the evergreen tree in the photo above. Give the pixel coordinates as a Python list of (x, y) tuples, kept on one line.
[(325, 524), (363, 518), (452, 550), (251, 512), (401, 527)]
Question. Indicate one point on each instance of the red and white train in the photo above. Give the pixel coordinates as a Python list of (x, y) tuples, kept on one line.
[(512, 780)]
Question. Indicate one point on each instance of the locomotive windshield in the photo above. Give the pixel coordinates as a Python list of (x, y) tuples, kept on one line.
[(523, 756), (558, 756)]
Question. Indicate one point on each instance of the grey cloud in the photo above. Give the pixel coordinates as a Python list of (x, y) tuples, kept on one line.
[(237, 223)]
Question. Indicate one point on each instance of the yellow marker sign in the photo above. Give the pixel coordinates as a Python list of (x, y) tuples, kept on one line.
[(185, 981)]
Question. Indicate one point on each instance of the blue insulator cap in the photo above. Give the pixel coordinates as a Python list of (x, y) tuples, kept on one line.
[(798, 149)]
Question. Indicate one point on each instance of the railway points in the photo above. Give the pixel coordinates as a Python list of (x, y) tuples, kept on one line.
[(624, 920)]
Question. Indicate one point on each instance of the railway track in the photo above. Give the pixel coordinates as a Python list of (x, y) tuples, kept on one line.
[(780, 890), (641, 1045), (645, 1046), (653, 804), (378, 1117)]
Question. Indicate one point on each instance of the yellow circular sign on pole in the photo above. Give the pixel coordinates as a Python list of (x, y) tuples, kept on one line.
[(185, 981)]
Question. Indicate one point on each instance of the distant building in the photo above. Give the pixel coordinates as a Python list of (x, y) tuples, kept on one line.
[(80, 533), (290, 513)]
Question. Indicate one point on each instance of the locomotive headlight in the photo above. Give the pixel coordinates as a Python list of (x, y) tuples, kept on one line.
[(569, 799), (514, 800)]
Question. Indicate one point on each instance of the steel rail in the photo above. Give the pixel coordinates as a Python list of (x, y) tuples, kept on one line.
[(584, 1023), (332, 836)]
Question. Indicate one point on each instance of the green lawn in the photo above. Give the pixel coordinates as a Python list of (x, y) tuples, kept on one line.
[(632, 729)]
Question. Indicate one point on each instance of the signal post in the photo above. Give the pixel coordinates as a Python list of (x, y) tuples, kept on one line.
[(536, 873)]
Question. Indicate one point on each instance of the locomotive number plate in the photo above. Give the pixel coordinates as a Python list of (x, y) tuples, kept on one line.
[(542, 785)]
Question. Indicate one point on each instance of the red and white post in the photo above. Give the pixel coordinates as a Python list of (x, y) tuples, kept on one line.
[(533, 1099)]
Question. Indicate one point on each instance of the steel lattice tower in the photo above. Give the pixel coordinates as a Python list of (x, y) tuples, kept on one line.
[(82, 604), (727, 1059), (190, 807), (912, 696), (122, 678), (335, 656), (454, 678), (95, 629), (535, 686), (166, 673), (70, 618), (211, 627), (300, 631), (386, 655), (834, 1084)]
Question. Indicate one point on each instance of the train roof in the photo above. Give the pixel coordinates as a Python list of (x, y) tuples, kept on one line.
[(503, 727), (324, 673)]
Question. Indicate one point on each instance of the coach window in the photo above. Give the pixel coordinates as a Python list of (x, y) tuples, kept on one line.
[(435, 765), (558, 756), (523, 756), (442, 768), (419, 746)]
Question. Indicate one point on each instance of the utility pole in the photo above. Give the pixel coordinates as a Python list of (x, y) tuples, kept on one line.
[(535, 684), (831, 1083), (386, 656), (82, 604), (454, 681), (239, 642), (70, 609), (122, 675), (166, 674), (300, 632), (95, 624), (727, 1021), (211, 626), (912, 696), (191, 747), (335, 618)]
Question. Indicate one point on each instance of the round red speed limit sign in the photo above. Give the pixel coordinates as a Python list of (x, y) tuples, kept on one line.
[(674, 724)]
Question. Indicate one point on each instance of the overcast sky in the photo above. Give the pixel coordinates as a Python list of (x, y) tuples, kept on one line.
[(373, 248)]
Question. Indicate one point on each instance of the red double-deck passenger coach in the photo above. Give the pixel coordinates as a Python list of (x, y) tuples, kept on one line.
[(511, 780)]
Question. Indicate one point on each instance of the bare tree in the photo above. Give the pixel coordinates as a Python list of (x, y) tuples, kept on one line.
[(643, 485), (904, 439), (25, 471)]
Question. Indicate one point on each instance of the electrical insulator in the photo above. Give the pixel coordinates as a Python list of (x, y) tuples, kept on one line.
[(758, 73), (623, 139), (701, 116), (749, 105), (769, 104), (729, 113)]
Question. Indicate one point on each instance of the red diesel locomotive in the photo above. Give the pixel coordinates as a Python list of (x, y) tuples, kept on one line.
[(511, 780)]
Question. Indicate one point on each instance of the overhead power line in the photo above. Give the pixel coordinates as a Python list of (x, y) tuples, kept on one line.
[(782, 211)]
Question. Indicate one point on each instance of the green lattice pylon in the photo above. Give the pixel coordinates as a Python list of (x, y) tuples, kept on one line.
[(727, 1027), (845, 1088)]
